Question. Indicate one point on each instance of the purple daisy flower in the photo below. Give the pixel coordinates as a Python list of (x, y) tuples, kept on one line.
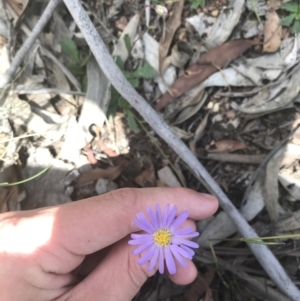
[(163, 240)]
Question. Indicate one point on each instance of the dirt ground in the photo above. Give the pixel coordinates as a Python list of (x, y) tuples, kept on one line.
[(224, 77)]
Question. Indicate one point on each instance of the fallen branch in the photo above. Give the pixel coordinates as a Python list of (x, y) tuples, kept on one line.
[(105, 61), (7, 77), (113, 73)]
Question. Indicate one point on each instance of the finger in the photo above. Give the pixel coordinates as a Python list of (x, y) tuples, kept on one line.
[(184, 275), (119, 277), (91, 261), (89, 225)]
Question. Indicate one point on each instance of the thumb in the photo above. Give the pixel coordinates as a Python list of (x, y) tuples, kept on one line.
[(117, 277)]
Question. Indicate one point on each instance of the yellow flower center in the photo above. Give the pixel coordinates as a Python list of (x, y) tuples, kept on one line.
[(162, 237)]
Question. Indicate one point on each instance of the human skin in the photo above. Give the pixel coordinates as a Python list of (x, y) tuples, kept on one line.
[(79, 251)]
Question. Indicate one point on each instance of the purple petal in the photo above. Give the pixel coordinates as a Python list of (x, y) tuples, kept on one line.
[(170, 261), (188, 250), (179, 220), (153, 260), (142, 226), (146, 256), (181, 241), (152, 217), (193, 234), (183, 231), (177, 255), (171, 216), (161, 266), (183, 252), (166, 214), (142, 247), (158, 215), (137, 236), (139, 241), (142, 218)]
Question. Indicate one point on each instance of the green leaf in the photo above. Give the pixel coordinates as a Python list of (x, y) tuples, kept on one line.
[(123, 103), (76, 69), (119, 62), (288, 20), (296, 27), (131, 121), (197, 3), (127, 42), (84, 83), (112, 109), (69, 48), (134, 81), (290, 6), (146, 71)]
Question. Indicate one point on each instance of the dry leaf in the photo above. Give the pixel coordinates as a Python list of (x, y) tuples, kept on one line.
[(170, 28), (227, 146), (17, 10), (91, 156), (209, 63), (272, 32), (98, 173), (180, 55), (146, 178), (275, 4), (167, 177)]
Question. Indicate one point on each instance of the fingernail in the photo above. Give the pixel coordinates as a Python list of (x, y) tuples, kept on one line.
[(209, 197)]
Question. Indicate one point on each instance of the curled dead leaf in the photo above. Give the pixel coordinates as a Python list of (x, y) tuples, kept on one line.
[(272, 32), (181, 53), (209, 63), (170, 28), (227, 146)]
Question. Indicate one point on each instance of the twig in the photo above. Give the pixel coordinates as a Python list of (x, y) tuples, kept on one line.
[(239, 270), (25, 49), (42, 90), (113, 73), (235, 158), (264, 162)]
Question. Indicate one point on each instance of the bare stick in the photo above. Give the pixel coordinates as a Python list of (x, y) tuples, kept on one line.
[(113, 73), (24, 50)]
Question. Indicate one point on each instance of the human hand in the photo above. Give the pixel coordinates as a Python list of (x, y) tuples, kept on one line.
[(79, 251)]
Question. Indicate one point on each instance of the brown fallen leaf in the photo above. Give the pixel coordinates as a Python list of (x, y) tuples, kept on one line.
[(170, 28), (274, 4), (227, 146), (98, 173), (208, 63), (17, 9), (91, 157), (272, 32), (147, 177)]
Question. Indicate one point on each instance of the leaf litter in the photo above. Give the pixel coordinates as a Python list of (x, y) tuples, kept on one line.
[(225, 78)]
